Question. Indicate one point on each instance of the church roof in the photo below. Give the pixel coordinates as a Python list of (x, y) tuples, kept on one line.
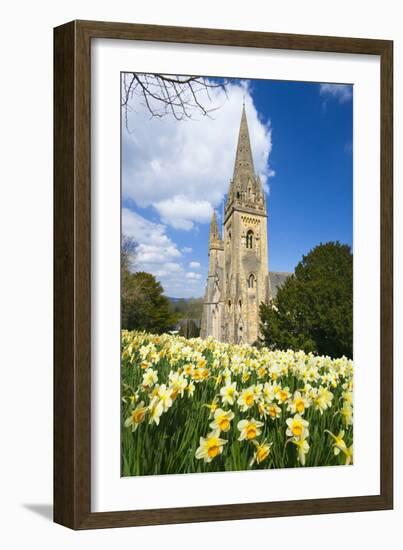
[(277, 279)]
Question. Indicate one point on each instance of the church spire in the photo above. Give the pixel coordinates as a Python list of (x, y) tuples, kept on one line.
[(245, 189), (243, 169), (214, 231)]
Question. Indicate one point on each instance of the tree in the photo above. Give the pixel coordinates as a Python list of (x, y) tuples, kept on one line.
[(127, 252), (144, 306), (313, 310), (179, 96)]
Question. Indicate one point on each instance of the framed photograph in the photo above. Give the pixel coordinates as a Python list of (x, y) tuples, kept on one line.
[(223, 315)]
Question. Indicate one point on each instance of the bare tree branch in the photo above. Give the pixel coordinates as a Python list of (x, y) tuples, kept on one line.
[(161, 95)]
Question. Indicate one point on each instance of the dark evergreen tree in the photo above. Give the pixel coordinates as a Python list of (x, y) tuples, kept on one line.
[(313, 310)]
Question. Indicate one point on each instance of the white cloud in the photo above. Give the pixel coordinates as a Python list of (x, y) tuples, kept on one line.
[(341, 92), (192, 275), (184, 168), (159, 255), (180, 211), (194, 265), (155, 247)]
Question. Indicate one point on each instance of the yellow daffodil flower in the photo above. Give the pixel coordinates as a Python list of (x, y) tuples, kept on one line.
[(303, 448), (150, 377), (273, 410), (298, 403), (347, 413), (137, 416), (156, 408), (222, 420), (228, 394), (250, 429), (262, 452), (338, 441), (297, 427), (165, 396), (323, 399), (282, 394), (246, 399), (210, 447)]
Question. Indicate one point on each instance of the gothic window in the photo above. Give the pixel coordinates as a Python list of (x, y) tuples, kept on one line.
[(251, 281), (249, 239)]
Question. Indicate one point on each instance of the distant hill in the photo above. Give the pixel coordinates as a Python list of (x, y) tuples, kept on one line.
[(187, 308)]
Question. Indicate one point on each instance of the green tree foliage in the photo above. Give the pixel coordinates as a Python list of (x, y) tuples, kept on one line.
[(144, 306), (313, 309)]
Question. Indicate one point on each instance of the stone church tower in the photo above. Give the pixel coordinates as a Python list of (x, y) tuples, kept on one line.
[(238, 279)]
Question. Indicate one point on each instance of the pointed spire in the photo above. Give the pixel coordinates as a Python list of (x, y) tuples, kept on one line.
[(243, 169), (214, 231), (245, 190), (214, 224)]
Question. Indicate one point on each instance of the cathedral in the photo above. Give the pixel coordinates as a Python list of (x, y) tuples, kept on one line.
[(238, 275)]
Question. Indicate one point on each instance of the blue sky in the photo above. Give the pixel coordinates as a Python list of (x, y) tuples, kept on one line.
[(174, 173)]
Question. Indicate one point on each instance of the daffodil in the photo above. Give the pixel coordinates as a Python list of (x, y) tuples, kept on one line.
[(282, 394), (273, 410), (210, 446), (348, 453), (347, 414), (228, 394), (156, 408), (297, 427), (323, 399), (268, 392), (213, 406), (188, 369), (176, 376), (222, 420), (150, 377), (339, 443), (136, 417), (298, 403), (246, 399), (165, 396), (178, 383), (262, 452), (250, 429), (190, 388), (302, 447), (261, 372)]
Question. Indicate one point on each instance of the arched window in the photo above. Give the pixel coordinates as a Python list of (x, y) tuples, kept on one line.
[(249, 239), (251, 281)]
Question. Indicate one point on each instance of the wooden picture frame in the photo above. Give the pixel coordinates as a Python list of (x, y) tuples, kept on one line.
[(72, 273)]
